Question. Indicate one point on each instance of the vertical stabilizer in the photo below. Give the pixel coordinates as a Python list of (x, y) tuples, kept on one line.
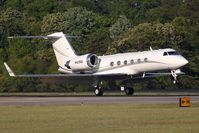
[(62, 48)]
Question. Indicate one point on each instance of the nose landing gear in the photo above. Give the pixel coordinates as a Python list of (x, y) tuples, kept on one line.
[(173, 73)]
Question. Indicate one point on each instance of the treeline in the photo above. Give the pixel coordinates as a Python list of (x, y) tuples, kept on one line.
[(105, 27)]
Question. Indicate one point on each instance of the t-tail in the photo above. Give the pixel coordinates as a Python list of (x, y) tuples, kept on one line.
[(62, 49), (61, 46)]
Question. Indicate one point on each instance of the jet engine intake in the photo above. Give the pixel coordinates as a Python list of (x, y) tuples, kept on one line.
[(83, 63)]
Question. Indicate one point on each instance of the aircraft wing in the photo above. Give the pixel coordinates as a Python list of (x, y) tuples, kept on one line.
[(84, 77), (12, 74), (149, 76), (162, 74)]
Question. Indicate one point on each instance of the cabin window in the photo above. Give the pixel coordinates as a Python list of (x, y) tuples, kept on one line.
[(173, 53), (145, 59), (118, 63), (165, 54), (132, 61), (138, 60), (112, 63), (125, 62), (67, 64)]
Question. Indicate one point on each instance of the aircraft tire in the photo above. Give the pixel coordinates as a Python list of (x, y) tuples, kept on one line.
[(129, 91), (99, 92)]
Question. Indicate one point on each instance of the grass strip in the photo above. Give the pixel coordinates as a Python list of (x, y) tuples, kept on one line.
[(122, 118)]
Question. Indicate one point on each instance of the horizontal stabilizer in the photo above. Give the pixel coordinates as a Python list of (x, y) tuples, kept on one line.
[(29, 37), (40, 37)]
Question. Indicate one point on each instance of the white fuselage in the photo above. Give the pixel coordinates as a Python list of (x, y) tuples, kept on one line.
[(92, 69), (138, 62)]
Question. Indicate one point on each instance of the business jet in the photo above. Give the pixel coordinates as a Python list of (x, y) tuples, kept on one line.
[(94, 69)]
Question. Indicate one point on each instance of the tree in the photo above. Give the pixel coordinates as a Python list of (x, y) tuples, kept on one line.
[(102, 26), (12, 22), (137, 38), (79, 21), (144, 35), (98, 42), (75, 21), (53, 23), (120, 27)]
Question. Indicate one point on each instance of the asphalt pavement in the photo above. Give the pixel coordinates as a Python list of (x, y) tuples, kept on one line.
[(40, 101)]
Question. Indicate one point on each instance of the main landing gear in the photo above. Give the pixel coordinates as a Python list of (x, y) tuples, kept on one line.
[(128, 91), (99, 92), (98, 89)]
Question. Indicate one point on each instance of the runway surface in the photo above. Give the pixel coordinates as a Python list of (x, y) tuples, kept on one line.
[(32, 101)]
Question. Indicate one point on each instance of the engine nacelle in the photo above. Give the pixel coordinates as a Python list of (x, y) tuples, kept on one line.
[(83, 63)]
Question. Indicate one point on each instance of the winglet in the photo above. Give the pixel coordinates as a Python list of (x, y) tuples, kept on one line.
[(11, 73), (151, 48)]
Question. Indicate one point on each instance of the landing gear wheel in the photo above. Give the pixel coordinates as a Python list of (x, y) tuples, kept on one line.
[(173, 73), (129, 91), (99, 92)]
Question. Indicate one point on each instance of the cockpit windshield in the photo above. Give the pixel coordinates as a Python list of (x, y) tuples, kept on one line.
[(171, 53)]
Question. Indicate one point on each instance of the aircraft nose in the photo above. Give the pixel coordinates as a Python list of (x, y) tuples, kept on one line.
[(183, 61)]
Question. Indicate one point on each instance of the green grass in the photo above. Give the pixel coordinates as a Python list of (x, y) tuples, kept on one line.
[(168, 118)]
